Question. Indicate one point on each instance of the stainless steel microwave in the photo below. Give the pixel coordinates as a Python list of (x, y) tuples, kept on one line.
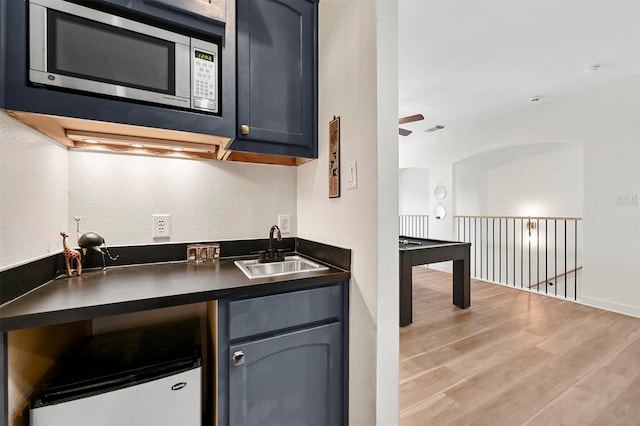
[(83, 49)]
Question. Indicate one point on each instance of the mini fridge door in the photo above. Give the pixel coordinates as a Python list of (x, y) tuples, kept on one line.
[(171, 400)]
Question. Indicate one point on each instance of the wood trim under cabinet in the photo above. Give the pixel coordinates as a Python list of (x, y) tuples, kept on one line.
[(117, 137), (59, 128)]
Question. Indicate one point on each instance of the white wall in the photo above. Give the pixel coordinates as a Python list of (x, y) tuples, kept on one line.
[(358, 83), (414, 191), (116, 195), (33, 193), (544, 179), (44, 186), (605, 120)]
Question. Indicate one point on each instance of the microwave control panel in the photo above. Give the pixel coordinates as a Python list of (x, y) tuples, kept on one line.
[(204, 81)]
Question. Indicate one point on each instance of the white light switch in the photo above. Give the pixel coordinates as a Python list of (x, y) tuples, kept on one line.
[(625, 200), (352, 174)]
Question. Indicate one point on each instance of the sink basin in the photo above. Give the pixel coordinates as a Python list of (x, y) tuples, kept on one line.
[(290, 265)]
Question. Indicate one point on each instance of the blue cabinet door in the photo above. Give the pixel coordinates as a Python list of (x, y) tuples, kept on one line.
[(289, 379), (277, 77)]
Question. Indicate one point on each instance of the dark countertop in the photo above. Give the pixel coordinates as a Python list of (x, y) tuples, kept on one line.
[(125, 289)]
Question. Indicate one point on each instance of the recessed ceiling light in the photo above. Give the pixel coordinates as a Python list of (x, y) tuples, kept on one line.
[(592, 69), (91, 141), (177, 148), (137, 145)]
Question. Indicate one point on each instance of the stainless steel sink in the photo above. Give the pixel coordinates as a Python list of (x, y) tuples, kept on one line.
[(290, 265)]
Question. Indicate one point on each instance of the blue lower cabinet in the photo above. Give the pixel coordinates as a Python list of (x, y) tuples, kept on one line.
[(290, 379), (292, 368)]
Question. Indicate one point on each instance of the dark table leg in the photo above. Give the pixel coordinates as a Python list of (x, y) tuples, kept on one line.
[(461, 282), (406, 291)]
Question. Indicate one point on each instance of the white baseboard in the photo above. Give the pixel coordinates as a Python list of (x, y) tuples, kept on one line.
[(613, 307), (632, 311)]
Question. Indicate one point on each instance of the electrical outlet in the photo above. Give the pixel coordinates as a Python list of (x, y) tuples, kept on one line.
[(284, 223), (161, 225)]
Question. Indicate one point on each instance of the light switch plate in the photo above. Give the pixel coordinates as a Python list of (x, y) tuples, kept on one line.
[(625, 200), (352, 174)]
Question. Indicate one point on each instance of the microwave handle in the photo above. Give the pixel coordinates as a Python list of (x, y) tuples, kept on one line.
[(37, 37)]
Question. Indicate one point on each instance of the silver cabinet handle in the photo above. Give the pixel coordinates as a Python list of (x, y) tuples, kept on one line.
[(238, 358), (244, 129)]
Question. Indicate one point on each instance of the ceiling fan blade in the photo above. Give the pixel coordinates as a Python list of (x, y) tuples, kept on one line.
[(404, 132), (410, 118)]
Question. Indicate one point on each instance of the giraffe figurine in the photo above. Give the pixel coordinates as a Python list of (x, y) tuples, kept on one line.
[(69, 255)]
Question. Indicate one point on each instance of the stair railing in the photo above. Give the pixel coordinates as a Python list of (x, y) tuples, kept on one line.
[(414, 225), (537, 253)]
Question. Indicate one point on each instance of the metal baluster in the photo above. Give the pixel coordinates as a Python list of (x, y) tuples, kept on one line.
[(575, 261), (500, 250), (506, 250), (475, 254), (538, 254), (464, 229), (546, 259), (529, 263), (521, 252), (481, 275), (514, 251), (565, 258), (487, 245), (555, 254), (493, 246)]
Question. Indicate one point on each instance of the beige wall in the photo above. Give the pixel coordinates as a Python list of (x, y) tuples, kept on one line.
[(358, 83)]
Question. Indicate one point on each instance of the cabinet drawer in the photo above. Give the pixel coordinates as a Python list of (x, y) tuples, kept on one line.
[(265, 314)]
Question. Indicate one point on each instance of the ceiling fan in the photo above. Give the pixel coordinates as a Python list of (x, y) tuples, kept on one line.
[(408, 119)]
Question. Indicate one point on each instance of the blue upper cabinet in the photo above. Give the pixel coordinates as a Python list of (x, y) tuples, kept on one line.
[(277, 77), (203, 9)]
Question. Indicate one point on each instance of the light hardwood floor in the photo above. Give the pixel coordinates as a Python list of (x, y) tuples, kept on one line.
[(515, 358)]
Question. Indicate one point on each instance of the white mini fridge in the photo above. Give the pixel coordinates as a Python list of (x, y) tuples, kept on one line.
[(143, 376)]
